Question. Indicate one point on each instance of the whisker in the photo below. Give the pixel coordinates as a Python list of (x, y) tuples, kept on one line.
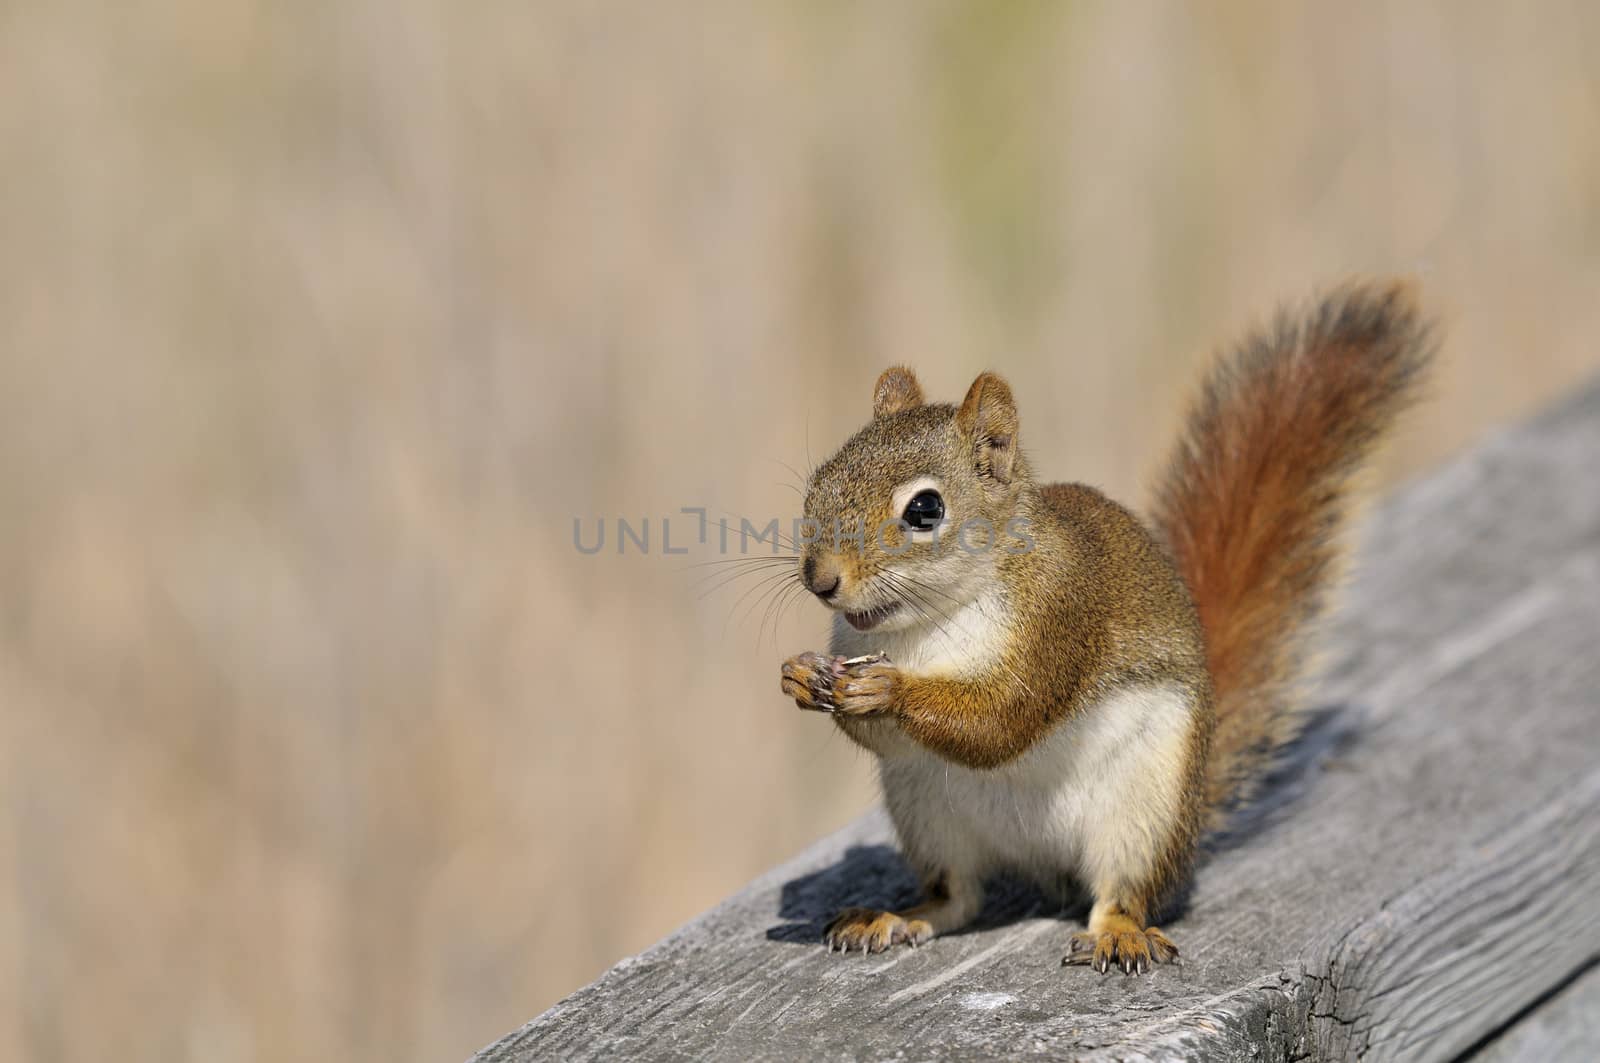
[(922, 607), (792, 469), (784, 600), (757, 559), (927, 610), (929, 587), (778, 593), (945, 632), (767, 584), (723, 578), (797, 595)]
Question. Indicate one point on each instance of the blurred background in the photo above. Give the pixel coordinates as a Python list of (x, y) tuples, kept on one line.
[(321, 322)]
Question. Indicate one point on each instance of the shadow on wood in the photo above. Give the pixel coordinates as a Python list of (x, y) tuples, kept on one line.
[(875, 876)]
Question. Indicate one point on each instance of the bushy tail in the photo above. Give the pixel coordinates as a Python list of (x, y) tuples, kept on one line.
[(1256, 494)]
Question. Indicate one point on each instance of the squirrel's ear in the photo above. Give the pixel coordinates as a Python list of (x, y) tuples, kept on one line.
[(897, 390), (989, 416)]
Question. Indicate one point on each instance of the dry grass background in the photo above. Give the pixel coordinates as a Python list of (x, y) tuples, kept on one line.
[(319, 324)]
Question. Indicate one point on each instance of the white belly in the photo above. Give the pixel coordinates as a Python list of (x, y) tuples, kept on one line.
[(1094, 799)]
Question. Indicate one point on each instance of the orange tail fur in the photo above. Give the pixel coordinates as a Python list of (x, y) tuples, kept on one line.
[(1257, 491)]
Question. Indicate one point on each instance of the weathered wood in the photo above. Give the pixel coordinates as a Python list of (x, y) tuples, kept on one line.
[(1566, 1026), (1425, 869)]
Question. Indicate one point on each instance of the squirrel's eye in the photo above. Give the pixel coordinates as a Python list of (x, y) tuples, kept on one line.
[(924, 511)]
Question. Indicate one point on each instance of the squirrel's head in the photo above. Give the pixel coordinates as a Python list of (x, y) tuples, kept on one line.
[(908, 520)]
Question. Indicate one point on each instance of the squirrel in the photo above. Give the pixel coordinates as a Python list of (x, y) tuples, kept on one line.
[(1055, 689)]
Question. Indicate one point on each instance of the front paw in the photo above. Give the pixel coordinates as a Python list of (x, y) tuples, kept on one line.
[(865, 686), (808, 678), (849, 686)]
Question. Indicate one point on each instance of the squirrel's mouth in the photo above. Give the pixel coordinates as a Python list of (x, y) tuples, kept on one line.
[(872, 617)]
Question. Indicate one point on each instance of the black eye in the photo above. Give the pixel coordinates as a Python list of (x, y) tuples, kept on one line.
[(924, 512)]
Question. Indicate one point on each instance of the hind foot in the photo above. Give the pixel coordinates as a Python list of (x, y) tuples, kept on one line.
[(869, 930), (1120, 943)]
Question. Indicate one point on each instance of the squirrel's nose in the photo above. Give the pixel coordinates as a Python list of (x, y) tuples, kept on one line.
[(823, 580)]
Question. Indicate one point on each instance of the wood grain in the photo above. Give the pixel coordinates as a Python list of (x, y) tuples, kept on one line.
[(1424, 869), (1566, 1026)]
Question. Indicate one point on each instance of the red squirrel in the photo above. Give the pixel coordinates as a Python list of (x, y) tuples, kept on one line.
[(1053, 687)]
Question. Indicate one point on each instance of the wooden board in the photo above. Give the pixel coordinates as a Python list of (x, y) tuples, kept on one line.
[(1426, 868), (1564, 1026)]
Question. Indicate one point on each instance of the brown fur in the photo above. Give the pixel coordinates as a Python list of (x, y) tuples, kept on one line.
[(1216, 603), (1256, 494), (897, 390), (1097, 603)]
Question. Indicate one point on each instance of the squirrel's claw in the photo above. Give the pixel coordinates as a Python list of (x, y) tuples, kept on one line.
[(865, 686), (869, 930), (1136, 952), (808, 679)]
